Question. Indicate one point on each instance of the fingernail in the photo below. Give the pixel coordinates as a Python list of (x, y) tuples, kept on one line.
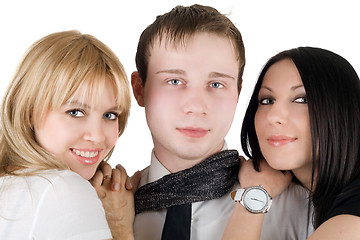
[(116, 186)]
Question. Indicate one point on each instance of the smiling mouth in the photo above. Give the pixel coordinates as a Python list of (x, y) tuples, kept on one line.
[(86, 154)]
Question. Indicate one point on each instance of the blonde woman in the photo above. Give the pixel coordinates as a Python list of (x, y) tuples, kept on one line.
[(60, 117)]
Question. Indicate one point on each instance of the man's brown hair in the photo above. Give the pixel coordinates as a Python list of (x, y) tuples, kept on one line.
[(182, 22)]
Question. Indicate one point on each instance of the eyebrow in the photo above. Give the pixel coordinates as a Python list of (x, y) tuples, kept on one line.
[(182, 72), (220, 75), (172, 71), (77, 103), (292, 88)]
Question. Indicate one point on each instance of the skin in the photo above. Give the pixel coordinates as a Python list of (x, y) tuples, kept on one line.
[(283, 112), (282, 121), (190, 97), (79, 128), (79, 134)]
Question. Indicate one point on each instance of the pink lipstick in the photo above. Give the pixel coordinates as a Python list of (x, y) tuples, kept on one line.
[(278, 141)]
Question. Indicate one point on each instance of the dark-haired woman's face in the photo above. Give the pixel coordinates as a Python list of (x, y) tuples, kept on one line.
[(282, 119)]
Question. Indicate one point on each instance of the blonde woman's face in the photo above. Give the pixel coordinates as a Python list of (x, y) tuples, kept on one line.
[(81, 134)]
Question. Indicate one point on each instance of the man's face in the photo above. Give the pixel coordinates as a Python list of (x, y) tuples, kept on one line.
[(190, 97)]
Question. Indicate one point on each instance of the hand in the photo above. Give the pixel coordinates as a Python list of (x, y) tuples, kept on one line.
[(119, 205), (106, 172), (274, 181)]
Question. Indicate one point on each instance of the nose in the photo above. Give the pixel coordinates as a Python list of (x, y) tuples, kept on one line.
[(278, 113), (195, 103), (94, 131)]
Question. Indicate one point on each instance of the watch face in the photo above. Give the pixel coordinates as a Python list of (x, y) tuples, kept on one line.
[(255, 200)]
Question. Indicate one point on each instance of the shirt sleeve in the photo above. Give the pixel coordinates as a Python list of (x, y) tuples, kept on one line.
[(347, 202), (69, 208)]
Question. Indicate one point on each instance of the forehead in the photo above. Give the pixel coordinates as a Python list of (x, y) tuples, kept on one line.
[(205, 50), (282, 73), (94, 92)]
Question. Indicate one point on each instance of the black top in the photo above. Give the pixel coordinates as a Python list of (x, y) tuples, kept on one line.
[(347, 202)]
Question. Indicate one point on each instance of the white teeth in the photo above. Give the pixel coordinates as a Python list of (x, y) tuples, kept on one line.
[(86, 154)]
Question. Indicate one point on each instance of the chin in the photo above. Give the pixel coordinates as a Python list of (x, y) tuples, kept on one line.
[(87, 175), (277, 165)]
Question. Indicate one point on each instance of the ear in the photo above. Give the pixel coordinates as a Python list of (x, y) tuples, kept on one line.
[(138, 89)]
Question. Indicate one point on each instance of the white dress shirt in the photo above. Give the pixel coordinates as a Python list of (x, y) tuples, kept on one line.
[(285, 220)]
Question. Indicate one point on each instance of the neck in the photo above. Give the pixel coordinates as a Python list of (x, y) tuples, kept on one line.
[(175, 162), (304, 176)]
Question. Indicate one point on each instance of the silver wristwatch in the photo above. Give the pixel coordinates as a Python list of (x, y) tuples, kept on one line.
[(254, 199)]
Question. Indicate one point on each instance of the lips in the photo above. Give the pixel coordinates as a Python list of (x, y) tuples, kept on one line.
[(278, 141), (88, 157), (193, 132)]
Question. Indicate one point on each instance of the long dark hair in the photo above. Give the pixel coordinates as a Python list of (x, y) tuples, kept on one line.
[(333, 93)]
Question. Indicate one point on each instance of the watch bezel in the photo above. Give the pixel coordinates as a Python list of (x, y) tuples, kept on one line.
[(239, 196), (266, 206)]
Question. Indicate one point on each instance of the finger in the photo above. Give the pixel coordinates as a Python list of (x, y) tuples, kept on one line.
[(122, 172), (135, 180), (242, 159), (97, 180), (128, 184), (246, 164), (115, 180), (288, 176), (124, 177), (106, 169)]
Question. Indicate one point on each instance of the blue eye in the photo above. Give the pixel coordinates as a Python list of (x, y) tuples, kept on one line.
[(266, 101), (75, 113), (111, 116), (174, 82), (301, 100), (216, 85)]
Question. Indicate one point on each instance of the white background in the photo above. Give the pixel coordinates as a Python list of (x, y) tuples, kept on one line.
[(267, 28)]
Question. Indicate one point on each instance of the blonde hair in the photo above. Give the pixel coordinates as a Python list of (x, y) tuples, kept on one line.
[(51, 72)]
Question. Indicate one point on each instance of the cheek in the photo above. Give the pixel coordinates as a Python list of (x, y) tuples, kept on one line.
[(159, 106), (53, 135), (258, 122), (112, 134), (226, 110), (307, 137)]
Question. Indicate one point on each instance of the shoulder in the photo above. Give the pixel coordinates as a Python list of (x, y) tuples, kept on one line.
[(338, 227), (67, 187), (60, 202), (69, 206), (291, 214), (294, 193), (46, 182), (347, 202)]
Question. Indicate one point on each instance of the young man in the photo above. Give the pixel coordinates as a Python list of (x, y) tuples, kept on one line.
[(190, 63)]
